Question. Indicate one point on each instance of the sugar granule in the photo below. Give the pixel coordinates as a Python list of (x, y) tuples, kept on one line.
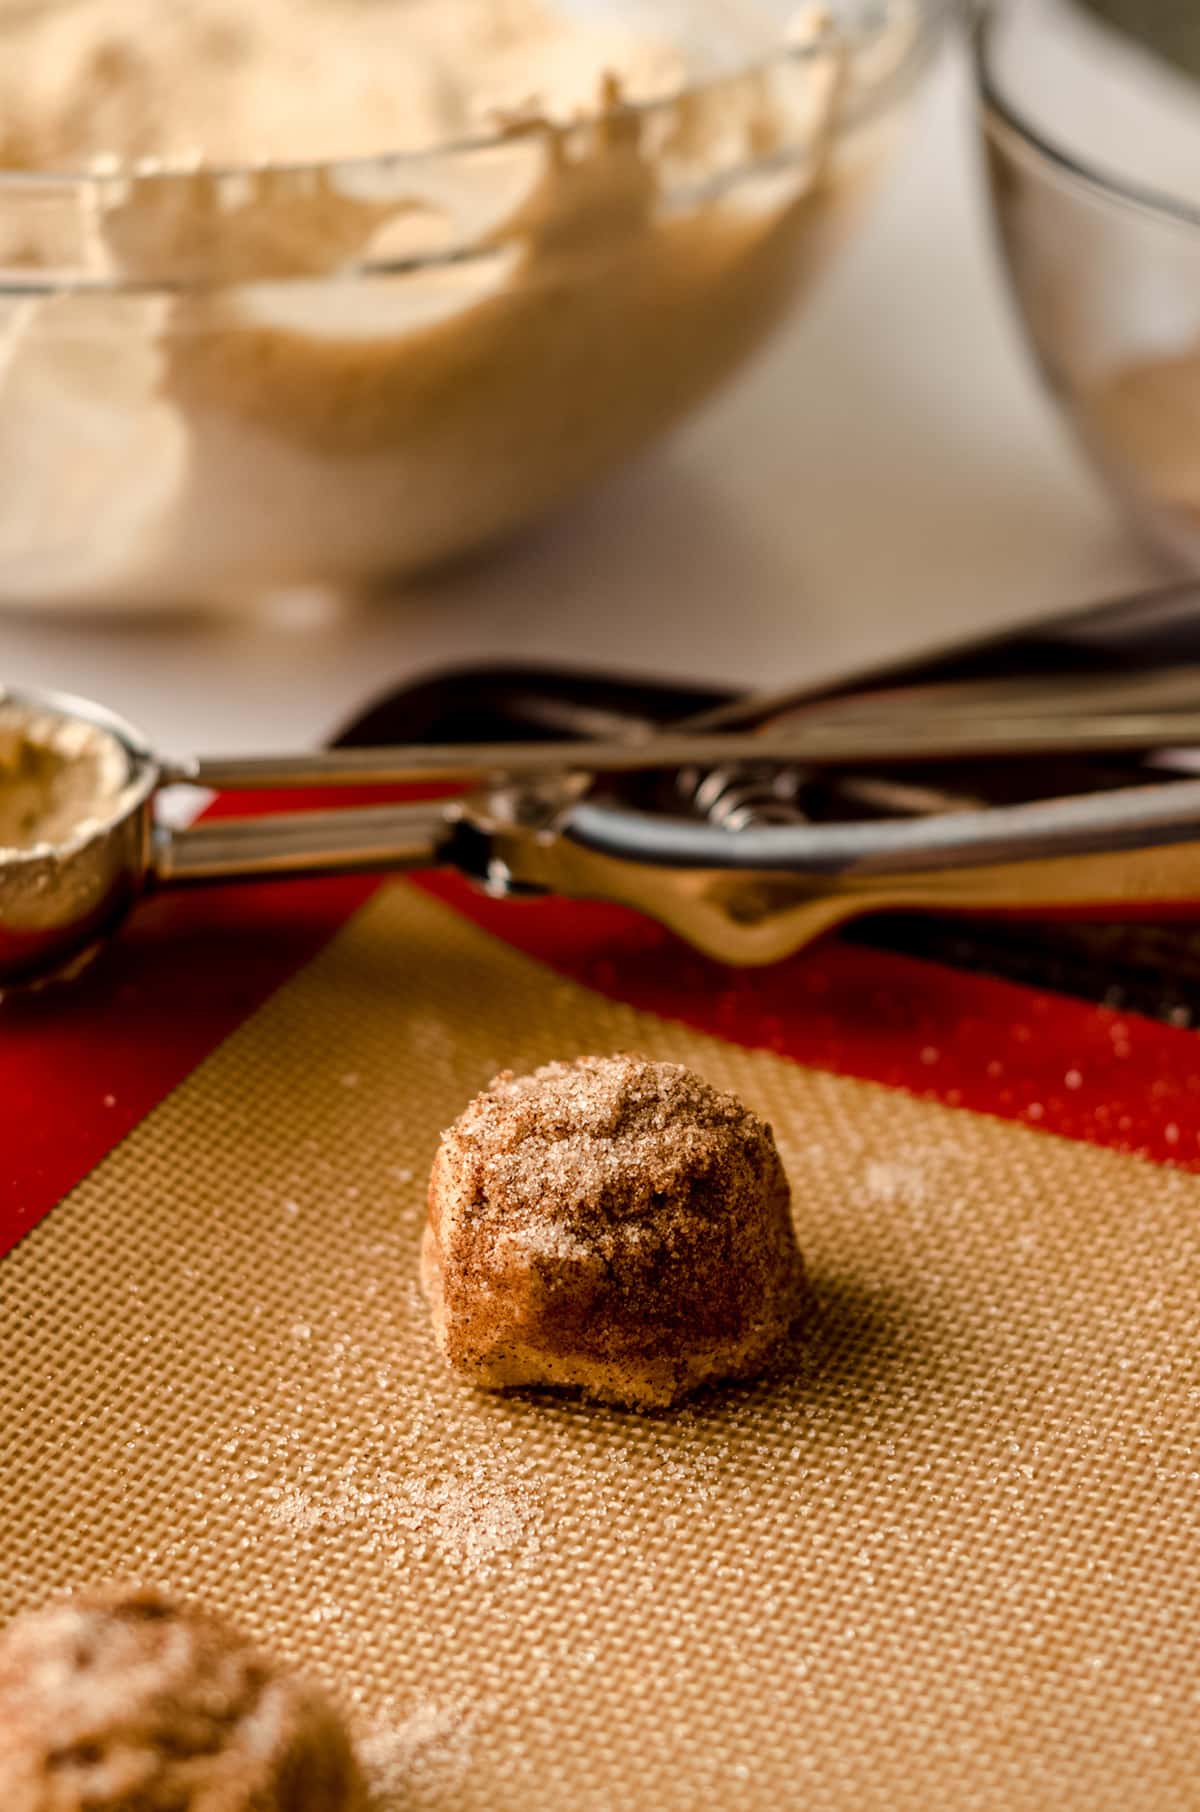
[(425, 1749), (468, 1520)]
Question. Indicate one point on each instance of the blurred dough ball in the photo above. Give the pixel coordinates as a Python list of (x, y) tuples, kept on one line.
[(119, 1701)]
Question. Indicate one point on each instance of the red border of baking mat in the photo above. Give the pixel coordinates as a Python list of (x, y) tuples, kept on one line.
[(1049, 1060), (79, 1068)]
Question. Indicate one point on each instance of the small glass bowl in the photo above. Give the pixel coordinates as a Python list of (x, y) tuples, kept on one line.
[(1093, 149), (220, 384)]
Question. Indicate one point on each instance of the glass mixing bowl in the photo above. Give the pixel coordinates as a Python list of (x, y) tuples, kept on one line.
[(1093, 150), (226, 382)]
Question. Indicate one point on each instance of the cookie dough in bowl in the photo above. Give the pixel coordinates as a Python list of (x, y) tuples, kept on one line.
[(119, 1701), (614, 1226), (326, 292)]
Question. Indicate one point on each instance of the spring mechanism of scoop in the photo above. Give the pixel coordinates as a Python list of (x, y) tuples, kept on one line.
[(738, 798)]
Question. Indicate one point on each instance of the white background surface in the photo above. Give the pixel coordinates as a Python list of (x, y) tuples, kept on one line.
[(887, 476)]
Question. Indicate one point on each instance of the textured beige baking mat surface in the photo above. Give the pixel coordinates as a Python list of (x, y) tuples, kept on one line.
[(950, 1560)]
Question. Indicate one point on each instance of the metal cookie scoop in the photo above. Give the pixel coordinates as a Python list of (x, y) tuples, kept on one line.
[(61, 895), (747, 896)]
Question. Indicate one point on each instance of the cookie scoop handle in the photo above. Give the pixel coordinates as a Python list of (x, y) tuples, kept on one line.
[(285, 845)]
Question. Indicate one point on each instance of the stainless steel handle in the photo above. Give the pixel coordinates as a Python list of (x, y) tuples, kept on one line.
[(751, 916), (435, 764), (361, 839), (903, 737)]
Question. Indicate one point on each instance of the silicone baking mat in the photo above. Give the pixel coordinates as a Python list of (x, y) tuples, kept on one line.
[(948, 1558)]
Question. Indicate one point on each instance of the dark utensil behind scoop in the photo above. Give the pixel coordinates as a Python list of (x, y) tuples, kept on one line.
[(1153, 969)]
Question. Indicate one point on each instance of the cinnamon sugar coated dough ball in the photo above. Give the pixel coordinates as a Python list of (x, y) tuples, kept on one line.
[(610, 1224), (119, 1701)]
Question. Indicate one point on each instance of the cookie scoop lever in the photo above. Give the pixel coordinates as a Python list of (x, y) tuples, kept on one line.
[(80, 841)]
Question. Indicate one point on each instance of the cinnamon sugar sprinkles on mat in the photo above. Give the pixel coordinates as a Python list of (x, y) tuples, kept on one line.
[(611, 1224)]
